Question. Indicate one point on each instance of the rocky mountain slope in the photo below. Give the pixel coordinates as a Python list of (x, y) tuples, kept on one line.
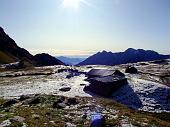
[(129, 56), (10, 52)]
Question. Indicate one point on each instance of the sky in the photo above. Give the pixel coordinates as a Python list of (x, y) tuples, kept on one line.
[(84, 27)]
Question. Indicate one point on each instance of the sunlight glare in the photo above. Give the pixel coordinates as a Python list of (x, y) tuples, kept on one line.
[(71, 3)]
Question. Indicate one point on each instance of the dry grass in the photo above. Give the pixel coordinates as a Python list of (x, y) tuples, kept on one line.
[(48, 114), (4, 58)]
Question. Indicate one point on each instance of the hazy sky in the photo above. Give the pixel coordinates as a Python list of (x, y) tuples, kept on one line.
[(93, 25)]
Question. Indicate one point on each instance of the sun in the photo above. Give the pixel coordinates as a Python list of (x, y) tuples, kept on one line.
[(71, 3)]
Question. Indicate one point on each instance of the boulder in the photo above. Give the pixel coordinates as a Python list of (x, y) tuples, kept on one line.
[(5, 123), (24, 97), (143, 63), (65, 89), (35, 116), (82, 84), (72, 101), (17, 119), (131, 70), (84, 116), (61, 70), (69, 76), (33, 101), (70, 125), (10, 102), (118, 73), (60, 99), (68, 70), (59, 105), (2, 115)]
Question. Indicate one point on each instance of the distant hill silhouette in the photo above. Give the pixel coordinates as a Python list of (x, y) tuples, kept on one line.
[(70, 61), (129, 56), (46, 60), (11, 52)]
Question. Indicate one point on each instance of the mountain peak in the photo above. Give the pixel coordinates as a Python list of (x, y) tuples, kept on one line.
[(130, 50), (1, 29), (104, 51), (129, 56)]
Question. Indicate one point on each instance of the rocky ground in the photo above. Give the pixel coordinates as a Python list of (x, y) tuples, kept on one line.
[(58, 111), (34, 97)]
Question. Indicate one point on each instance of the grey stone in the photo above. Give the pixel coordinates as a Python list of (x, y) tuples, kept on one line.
[(65, 89), (5, 123), (17, 119), (131, 70), (33, 101), (24, 97), (35, 116), (70, 125), (59, 105), (82, 84), (2, 115), (72, 101), (9, 103), (60, 99)]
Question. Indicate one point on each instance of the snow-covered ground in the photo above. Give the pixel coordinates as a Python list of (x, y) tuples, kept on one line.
[(43, 85), (8, 65), (140, 93), (144, 95)]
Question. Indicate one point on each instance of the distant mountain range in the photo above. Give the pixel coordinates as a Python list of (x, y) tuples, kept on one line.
[(70, 61), (129, 56), (10, 52)]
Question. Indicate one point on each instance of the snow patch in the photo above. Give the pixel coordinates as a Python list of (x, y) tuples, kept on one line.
[(144, 95)]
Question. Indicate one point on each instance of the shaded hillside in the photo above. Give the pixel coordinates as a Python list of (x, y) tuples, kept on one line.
[(47, 60), (129, 56), (10, 52)]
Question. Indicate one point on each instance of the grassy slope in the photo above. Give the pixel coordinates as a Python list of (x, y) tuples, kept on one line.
[(6, 58), (48, 114)]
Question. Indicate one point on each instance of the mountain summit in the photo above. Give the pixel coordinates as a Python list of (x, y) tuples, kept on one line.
[(128, 56)]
